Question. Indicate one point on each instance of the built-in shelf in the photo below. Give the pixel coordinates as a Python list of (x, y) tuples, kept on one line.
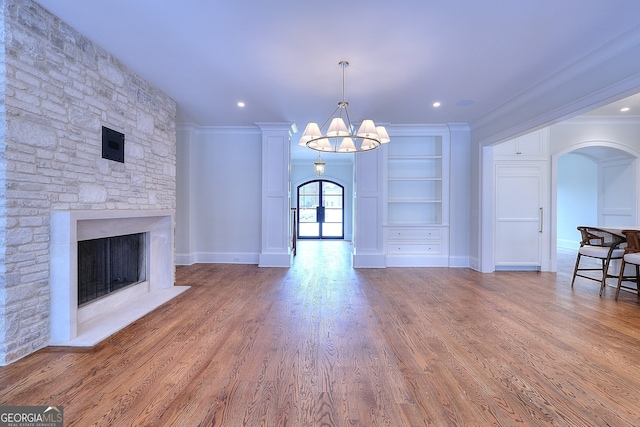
[(417, 199)]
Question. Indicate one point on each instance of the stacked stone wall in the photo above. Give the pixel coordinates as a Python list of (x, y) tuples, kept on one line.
[(59, 90)]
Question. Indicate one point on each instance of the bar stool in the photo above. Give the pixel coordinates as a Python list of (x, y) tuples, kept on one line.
[(600, 244), (631, 256)]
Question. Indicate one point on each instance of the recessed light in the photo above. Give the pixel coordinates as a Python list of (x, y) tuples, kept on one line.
[(240, 104), (436, 104), (624, 109), (465, 102)]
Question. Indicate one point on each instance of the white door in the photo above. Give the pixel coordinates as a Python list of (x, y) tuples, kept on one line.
[(520, 216)]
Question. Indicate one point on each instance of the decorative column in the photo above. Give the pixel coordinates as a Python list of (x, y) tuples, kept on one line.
[(368, 250), (276, 193)]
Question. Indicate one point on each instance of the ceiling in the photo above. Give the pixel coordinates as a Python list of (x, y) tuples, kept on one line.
[(281, 57)]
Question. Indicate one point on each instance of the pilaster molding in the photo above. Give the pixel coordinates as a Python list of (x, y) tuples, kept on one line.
[(368, 245), (276, 232)]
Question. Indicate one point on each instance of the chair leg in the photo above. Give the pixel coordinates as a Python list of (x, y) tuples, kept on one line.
[(620, 279), (638, 279), (605, 273), (575, 270)]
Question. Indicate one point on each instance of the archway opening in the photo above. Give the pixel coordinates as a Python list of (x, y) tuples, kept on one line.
[(596, 185)]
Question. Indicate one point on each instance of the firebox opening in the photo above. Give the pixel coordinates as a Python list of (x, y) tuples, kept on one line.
[(110, 264)]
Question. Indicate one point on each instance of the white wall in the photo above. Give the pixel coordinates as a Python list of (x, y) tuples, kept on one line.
[(220, 203), (577, 194), (459, 197), (185, 137), (617, 182)]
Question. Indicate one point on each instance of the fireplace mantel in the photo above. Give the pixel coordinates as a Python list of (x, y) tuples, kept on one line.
[(98, 320)]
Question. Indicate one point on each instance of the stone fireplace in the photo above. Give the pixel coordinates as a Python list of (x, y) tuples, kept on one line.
[(52, 169), (93, 321)]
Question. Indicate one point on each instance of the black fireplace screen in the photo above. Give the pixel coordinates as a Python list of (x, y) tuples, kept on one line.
[(109, 264)]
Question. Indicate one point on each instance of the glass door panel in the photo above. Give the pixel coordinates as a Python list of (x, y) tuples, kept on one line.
[(320, 210), (308, 203)]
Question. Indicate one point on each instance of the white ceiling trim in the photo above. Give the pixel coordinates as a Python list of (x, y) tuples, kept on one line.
[(607, 74)]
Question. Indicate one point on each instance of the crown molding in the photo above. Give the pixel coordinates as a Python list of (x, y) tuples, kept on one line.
[(601, 120), (218, 129), (608, 73)]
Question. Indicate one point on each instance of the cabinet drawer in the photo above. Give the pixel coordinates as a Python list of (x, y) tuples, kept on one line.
[(413, 248), (405, 233)]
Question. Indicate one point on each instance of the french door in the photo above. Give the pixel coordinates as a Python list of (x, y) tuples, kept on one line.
[(320, 210)]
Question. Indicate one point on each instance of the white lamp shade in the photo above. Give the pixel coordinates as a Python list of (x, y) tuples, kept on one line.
[(347, 146), (312, 131), (367, 129), (337, 128), (323, 144), (303, 141), (382, 134)]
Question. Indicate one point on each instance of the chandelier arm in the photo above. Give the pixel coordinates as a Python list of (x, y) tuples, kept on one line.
[(320, 149), (347, 113), (329, 118)]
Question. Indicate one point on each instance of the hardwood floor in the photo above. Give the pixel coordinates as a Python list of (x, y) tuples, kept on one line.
[(322, 344)]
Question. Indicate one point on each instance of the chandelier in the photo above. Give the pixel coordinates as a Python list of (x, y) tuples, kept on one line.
[(340, 136)]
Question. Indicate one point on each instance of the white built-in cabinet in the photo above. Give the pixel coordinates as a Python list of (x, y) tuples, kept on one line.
[(532, 146), (417, 198), (521, 169)]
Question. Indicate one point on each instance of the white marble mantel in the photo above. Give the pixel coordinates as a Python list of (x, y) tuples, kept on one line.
[(98, 320)]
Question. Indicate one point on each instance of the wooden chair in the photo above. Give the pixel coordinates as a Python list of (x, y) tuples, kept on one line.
[(599, 244), (631, 256)]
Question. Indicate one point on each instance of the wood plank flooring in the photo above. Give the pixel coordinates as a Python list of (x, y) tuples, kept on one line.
[(322, 344)]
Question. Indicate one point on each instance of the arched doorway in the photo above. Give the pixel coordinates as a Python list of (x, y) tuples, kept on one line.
[(320, 210), (593, 183)]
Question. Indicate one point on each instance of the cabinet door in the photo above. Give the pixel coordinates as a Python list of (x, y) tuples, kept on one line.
[(532, 146), (519, 215), (507, 149)]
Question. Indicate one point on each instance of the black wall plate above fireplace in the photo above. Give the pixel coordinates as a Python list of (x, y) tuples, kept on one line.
[(112, 145)]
